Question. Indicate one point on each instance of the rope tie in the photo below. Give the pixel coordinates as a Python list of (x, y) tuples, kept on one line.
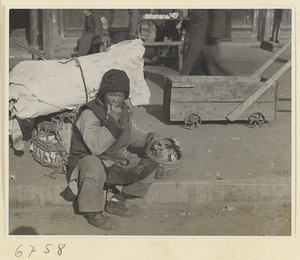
[(82, 76)]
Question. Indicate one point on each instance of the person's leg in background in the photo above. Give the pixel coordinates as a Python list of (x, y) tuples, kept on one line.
[(277, 31), (160, 34), (276, 25), (194, 53), (84, 44), (212, 64)]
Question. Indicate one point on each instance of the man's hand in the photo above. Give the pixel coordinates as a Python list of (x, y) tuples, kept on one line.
[(129, 105), (151, 136), (114, 112)]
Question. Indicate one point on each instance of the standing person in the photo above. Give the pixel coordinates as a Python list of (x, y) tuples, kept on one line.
[(197, 29), (215, 32), (123, 25), (101, 135), (206, 28), (92, 34), (276, 25)]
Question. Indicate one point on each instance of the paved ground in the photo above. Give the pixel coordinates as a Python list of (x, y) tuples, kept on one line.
[(226, 166)]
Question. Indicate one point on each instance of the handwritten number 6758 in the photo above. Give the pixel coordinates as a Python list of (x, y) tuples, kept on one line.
[(19, 252)]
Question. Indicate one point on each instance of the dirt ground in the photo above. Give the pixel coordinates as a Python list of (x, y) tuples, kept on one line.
[(215, 219)]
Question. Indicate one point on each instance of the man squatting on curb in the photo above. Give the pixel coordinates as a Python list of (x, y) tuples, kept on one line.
[(102, 132)]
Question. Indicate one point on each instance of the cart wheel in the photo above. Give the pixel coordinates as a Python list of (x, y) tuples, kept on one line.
[(256, 120), (192, 121)]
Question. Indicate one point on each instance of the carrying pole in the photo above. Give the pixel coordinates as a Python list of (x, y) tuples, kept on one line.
[(261, 69)]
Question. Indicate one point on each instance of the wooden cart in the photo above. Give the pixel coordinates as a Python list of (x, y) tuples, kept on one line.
[(194, 99)]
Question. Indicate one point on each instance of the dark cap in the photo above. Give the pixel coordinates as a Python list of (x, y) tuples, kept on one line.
[(114, 81)]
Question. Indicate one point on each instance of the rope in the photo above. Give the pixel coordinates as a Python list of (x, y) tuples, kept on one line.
[(78, 65)]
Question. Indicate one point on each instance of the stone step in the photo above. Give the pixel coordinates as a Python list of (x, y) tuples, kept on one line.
[(166, 191)]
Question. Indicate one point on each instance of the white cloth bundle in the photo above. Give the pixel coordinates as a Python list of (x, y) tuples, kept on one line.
[(49, 86)]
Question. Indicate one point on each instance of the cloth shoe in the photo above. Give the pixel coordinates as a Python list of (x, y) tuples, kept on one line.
[(119, 208), (101, 220)]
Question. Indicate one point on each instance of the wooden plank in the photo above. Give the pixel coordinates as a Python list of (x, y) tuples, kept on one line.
[(161, 70), (252, 98), (147, 44), (211, 111), (193, 81), (168, 19), (260, 70), (221, 91)]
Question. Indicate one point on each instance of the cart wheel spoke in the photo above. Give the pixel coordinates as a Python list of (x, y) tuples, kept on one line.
[(251, 122), (256, 120), (261, 121), (192, 121), (254, 116)]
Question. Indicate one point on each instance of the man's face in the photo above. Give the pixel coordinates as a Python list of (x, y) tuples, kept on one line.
[(114, 98)]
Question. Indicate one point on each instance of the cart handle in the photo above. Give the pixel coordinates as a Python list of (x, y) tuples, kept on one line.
[(260, 70), (253, 97)]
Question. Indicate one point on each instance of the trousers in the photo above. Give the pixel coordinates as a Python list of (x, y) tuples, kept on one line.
[(92, 177), (84, 44)]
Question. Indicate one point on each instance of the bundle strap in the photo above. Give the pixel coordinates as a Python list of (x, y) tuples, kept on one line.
[(82, 76)]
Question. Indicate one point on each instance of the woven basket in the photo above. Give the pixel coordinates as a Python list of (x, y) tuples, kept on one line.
[(165, 169), (48, 146)]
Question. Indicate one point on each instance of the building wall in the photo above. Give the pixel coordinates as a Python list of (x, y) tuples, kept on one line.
[(246, 22), (243, 21), (60, 28)]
